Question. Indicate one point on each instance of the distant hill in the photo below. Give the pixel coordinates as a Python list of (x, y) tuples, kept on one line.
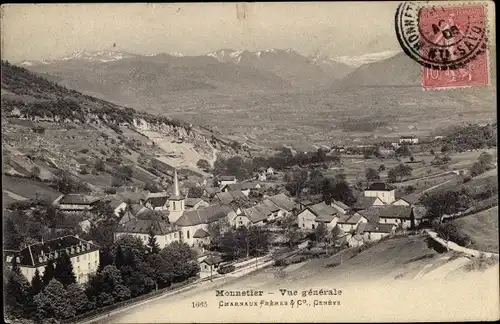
[(138, 76), (302, 72)]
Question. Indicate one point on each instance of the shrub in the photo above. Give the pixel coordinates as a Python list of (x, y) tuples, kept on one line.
[(481, 263), (226, 269)]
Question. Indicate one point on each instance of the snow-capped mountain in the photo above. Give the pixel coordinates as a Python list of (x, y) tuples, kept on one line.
[(98, 56), (357, 61)]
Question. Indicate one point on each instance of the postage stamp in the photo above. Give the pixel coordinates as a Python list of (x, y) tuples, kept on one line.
[(449, 42)]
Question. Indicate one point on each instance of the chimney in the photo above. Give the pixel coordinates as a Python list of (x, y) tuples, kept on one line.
[(40, 259)]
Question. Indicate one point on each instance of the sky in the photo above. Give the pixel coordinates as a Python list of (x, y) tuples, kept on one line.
[(51, 31)]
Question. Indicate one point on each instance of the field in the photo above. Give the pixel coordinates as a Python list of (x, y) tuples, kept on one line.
[(482, 228), (28, 188), (402, 272)]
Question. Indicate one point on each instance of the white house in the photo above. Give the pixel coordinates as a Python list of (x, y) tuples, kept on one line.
[(245, 187), (340, 206), (401, 216), (375, 231), (349, 222), (75, 202), (118, 206), (408, 200), (367, 202), (141, 228), (84, 256), (408, 140), (225, 180), (306, 219), (381, 190), (257, 215)]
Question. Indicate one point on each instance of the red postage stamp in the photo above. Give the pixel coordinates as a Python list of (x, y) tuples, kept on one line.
[(450, 43)]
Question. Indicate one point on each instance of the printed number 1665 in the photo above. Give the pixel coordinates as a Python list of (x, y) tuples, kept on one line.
[(200, 304)]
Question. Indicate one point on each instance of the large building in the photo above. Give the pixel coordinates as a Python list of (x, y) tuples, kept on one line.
[(76, 203), (84, 256), (383, 191)]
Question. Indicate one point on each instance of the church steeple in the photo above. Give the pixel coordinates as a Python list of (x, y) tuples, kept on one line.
[(176, 184), (175, 202)]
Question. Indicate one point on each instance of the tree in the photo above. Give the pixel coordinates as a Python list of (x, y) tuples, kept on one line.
[(107, 287), (381, 168), (400, 172), (78, 299), (17, 291), (203, 164), (64, 270), (182, 260), (445, 203), (48, 273), (372, 175), (485, 158), (152, 243), (412, 159), (53, 302), (13, 237), (320, 232), (431, 152), (445, 148), (290, 230), (36, 283), (403, 150)]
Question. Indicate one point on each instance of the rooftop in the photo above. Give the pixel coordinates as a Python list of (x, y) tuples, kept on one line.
[(201, 233), (381, 186), (283, 201), (38, 254), (378, 228), (365, 202), (394, 211), (227, 178), (203, 215), (322, 209), (143, 226), (78, 199)]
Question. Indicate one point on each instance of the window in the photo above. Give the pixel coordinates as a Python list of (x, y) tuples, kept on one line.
[(175, 235), (77, 259), (95, 264), (174, 205), (78, 269), (88, 266), (312, 226), (187, 234)]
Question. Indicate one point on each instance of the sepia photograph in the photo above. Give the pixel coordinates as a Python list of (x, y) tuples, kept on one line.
[(242, 162)]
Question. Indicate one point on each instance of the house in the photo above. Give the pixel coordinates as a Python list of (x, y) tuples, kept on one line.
[(132, 197), (225, 180), (257, 215), (306, 219), (164, 232), (244, 187), (304, 203), (376, 231), (408, 140), (226, 198), (209, 265), (195, 203), (408, 200), (382, 190), (285, 204), (372, 214), (261, 176), (76, 203), (367, 202), (340, 206), (84, 256), (401, 216), (192, 220), (348, 222), (133, 212), (157, 201), (210, 192), (118, 206), (270, 171)]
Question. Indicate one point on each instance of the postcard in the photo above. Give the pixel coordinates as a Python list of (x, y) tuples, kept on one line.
[(249, 162)]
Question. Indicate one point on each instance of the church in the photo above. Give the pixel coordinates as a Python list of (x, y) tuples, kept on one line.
[(176, 224)]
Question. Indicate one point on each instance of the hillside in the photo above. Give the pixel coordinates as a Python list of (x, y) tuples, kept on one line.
[(482, 228), (50, 132)]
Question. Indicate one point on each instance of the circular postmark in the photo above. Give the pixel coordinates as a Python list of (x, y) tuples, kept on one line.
[(441, 37)]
